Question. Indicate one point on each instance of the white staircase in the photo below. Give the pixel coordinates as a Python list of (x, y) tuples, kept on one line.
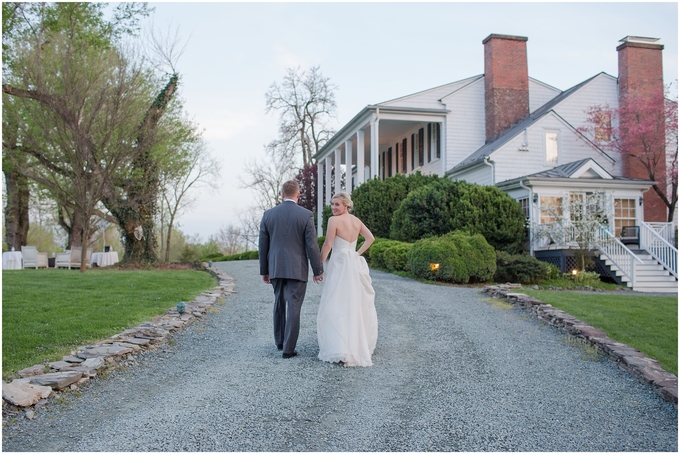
[(653, 268), (650, 275)]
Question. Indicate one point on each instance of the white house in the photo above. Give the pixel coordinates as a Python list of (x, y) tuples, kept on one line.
[(506, 129)]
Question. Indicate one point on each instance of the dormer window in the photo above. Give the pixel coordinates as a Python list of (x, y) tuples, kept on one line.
[(552, 148)]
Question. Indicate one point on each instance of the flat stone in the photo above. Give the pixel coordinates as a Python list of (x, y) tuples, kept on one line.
[(31, 371), (88, 372), (24, 394), (74, 359), (103, 351), (59, 365), (93, 363), (134, 347), (138, 341), (637, 362), (57, 380), (589, 331)]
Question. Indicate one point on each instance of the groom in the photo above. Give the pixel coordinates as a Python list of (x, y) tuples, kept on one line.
[(287, 241)]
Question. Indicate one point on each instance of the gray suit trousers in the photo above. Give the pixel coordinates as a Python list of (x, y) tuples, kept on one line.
[(288, 297)]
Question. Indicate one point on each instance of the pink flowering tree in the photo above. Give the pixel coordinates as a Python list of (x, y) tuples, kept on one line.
[(644, 130)]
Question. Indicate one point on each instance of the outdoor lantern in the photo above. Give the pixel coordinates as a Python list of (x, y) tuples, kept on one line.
[(181, 307), (434, 266), (574, 272)]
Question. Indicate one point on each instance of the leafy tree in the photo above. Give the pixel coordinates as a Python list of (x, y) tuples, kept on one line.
[(87, 116), (642, 129)]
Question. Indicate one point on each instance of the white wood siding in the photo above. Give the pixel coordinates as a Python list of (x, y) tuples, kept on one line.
[(602, 90), (465, 125), (428, 98), (476, 175), (512, 163), (540, 94)]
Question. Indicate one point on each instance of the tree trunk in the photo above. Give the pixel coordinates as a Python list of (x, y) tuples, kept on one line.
[(74, 226), (16, 212), (167, 239), (136, 210)]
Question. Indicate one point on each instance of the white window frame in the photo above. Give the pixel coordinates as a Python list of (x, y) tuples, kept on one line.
[(546, 133)]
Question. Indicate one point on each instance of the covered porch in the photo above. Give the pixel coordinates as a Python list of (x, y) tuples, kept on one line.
[(378, 143)]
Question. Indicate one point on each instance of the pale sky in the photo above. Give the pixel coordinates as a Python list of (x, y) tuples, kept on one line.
[(373, 52)]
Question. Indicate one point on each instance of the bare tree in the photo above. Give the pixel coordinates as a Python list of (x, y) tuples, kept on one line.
[(266, 176), (194, 169), (305, 101), (229, 238), (249, 218)]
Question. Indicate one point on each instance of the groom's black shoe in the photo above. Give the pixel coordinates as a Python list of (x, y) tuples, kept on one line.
[(289, 355), (279, 347)]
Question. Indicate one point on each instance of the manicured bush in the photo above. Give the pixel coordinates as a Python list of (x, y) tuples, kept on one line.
[(491, 212), (395, 257), (376, 200), (238, 256), (444, 206), (454, 257), (375, 255), (425, 212), (523, 268)]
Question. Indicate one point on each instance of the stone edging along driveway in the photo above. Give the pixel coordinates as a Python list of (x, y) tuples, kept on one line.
[(641, 367), (38, 382)]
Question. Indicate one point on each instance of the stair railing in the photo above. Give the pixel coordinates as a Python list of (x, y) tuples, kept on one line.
[(616, 252), (660, 249)]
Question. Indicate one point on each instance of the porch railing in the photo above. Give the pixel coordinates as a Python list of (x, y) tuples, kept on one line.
[(665, 229), (653, 241), (616, 252)]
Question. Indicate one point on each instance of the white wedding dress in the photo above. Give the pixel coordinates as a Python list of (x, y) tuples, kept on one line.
[(347, 322)]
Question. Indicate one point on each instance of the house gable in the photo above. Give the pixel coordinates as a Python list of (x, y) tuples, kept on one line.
[(428, 98)]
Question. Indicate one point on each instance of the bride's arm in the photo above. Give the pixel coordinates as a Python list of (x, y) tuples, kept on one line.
[(366, 233), (328, 242)]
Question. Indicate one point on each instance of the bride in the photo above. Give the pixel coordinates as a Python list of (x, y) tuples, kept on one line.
[(347, 322)]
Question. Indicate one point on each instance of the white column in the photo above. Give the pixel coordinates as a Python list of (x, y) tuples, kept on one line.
[(319, 200), (338, 170), (374, 149), (328, 181), (360, 157), (348, 166)]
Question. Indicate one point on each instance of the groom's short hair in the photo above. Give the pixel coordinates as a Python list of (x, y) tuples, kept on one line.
[(290, 188)]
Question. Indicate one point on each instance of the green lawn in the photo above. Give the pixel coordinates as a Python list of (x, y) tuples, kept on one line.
[(648, 323), (45, 313)]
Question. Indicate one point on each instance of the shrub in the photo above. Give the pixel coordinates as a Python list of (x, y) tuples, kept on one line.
[(460, 258), (424, 213), (376, 200), (238, 256), (491, 212), (376, 252), (395, 257), (586, 278), (521, 268), (444, 206)]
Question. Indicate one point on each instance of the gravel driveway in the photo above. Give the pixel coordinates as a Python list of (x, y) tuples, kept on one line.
[(453, 371)]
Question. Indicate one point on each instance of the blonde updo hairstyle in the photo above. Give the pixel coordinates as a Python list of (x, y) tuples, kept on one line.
[(346, 200)]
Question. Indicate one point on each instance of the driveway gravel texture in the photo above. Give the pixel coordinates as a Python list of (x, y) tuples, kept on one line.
[(453, 371)]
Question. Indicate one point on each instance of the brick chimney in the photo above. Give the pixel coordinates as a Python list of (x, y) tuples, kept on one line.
[(506, 83), (641, 74)]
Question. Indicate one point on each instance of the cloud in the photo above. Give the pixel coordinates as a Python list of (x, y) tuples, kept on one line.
[(227, 125), (287, 59)]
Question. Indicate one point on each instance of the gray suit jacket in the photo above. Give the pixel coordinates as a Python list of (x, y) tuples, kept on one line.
[(287, 241)]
